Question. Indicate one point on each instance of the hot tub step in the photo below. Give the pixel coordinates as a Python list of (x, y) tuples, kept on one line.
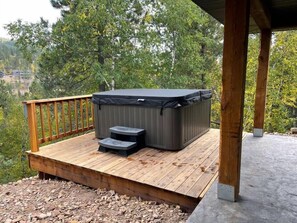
[(122, 130), (117, 144), (128, 134), (123, 148)]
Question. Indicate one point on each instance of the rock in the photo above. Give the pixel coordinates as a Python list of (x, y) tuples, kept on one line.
[(55, 213), (155, 216), (89, 219), (121, 212), (294, 130), (42, 216), (18, 219), (61, 216), (61, 201), (60, 194)]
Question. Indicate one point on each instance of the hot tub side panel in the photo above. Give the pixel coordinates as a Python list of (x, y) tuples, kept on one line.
[(173, 130), (195, 121), (132, 116)]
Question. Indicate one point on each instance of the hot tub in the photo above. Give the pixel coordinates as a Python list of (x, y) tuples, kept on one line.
[(171, 118)]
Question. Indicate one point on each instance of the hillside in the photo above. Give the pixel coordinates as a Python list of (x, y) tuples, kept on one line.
[(34, 200)]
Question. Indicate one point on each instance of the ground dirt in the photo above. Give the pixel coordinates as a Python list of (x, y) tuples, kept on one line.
[(34, 200)]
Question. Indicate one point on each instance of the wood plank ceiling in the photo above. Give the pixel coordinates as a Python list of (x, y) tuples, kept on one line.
[(283, 13)]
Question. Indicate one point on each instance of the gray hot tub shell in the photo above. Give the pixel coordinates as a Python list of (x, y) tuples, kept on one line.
[(172, 118)]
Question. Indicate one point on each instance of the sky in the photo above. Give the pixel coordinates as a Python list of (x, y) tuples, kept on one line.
[(26, 10)]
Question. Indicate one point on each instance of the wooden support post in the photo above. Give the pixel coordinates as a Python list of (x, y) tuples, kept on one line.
[(233, 87), (262, 82), (46, 176), (261, 14), (31, 112)]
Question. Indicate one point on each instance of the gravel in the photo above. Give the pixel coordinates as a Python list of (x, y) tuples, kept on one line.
[(35, 200)]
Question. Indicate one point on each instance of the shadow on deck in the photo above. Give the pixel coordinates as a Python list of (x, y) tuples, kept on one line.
[(180, 177)]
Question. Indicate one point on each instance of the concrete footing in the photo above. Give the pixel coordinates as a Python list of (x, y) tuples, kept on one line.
[(226, 192), (258, 132)]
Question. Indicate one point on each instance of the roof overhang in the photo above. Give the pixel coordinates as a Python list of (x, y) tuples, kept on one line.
[(281, 14)]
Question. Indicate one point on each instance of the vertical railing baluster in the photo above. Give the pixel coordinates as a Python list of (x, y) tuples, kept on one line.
[(76, 115), (87, 113), (63, 117), (49, 121), (69, 116), (56, 118), (81, 114), (42, 122), (52, 117)]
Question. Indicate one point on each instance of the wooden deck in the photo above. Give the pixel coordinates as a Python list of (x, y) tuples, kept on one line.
[(180, 177)]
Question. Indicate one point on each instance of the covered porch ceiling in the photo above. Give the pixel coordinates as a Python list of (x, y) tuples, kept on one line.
[(281, 13)]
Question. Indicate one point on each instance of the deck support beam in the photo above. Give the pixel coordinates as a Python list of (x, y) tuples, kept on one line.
[(262, 74), (261, 14), (233, 87)]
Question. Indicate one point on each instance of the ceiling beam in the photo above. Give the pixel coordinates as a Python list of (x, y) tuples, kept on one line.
[(286, 20), (261, 14)]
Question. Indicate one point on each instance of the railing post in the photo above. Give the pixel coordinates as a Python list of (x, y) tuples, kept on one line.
[(32, 123)]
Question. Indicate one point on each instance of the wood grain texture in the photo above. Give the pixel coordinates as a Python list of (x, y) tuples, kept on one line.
[(261, 14), (42, 122), (56, 115), (233, 87), (173, 177), (49, 121), (51, 100), (59, 122), (31, 112), (262, 75)]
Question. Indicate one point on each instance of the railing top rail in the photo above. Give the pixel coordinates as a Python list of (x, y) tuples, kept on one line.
[(56, 99)]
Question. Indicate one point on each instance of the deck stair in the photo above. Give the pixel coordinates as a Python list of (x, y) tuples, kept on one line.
[(123, 140)]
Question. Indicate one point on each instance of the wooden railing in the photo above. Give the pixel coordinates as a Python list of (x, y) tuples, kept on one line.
[(51, 119)]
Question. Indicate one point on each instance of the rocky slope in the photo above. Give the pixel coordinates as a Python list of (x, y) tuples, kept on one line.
[(34, 200)]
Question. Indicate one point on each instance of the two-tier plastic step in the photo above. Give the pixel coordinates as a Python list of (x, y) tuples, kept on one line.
[(123, 140)]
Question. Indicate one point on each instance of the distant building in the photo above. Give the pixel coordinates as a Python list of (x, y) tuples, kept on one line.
[(1, 74)]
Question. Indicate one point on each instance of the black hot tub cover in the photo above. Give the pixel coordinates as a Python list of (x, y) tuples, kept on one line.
[(161, 98)]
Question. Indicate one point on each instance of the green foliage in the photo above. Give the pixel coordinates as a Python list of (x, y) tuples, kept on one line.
[(281, 103), (282, 91), (11, 58), (194, 44), (250, 86), (138, 44), (13, 138)]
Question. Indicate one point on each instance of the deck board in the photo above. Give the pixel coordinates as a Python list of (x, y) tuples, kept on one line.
[(172, 176)]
